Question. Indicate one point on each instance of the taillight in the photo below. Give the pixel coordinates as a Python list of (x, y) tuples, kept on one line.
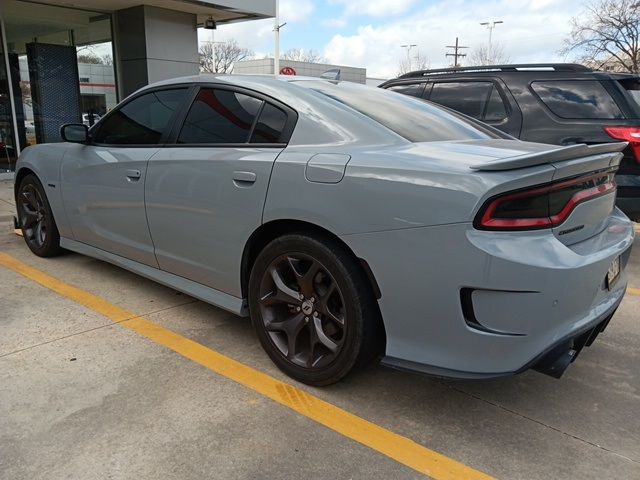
[(627, 134), (545, 206)]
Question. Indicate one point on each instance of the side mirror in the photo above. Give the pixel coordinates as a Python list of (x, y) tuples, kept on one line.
[(74, 132)]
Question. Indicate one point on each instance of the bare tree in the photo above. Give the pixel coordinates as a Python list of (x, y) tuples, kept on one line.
[(89, 57), (483, 55), (220, 57), (607, 34), (302, 55), (418, 62)]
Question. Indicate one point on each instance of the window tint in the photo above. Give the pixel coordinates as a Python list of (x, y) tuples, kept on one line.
[(141, 121), (413, 119), (495, 109), (632, 86), (577, 99), (219, 116), (465, 97), (413, 89), (270, 125)]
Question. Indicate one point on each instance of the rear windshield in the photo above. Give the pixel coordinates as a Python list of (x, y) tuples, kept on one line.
[(411, 118)]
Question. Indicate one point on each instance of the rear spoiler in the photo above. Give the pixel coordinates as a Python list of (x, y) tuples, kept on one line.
[(558, 154)]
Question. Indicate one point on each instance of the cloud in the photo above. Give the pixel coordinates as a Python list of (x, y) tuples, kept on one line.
[(257, 35), (374, 8), (296, 10), (334, 22), (532, 32)]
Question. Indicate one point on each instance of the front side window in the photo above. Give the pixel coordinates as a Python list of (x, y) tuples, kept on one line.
[(413, 89), (469, 98), (220, 116), (143, 120), (577, 99)]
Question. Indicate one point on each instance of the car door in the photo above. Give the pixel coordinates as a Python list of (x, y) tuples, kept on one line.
[(103, 181), (205, 193)]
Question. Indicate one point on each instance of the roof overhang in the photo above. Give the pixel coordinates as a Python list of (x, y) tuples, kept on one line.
[(222, 11)]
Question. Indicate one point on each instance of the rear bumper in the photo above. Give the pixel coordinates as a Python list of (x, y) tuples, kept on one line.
[(552, 361), (531, 295)]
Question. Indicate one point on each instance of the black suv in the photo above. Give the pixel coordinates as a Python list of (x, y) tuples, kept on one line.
[(560, 104)]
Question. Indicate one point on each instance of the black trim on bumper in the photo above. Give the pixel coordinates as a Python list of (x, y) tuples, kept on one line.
[(552, 361)]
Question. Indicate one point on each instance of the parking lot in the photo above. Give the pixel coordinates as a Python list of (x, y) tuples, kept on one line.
[(105, 374)]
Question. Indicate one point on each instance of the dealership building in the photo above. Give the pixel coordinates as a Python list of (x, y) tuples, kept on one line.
[(308, 69), (41, 83)]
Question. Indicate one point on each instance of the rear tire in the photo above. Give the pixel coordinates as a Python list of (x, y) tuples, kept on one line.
[(312, 308), (38, 226)]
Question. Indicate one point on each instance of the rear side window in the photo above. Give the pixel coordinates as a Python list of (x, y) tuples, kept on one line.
[(220, 116), (577, 99), (495, 109), (469, 98), (143, 120), (413, 89), (270, 125)]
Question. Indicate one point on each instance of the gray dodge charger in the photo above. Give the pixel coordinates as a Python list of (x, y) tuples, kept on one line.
[(351, 223)]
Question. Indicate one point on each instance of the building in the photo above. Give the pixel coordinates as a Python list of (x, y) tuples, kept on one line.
[(291, 67), (41, 83)]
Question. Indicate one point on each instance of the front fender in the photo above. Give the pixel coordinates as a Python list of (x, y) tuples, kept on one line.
[(45, 161)]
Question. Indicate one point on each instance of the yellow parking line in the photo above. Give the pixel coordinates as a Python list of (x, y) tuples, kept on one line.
[(397, 447), (636, 227), (633, 291), (17, 231)]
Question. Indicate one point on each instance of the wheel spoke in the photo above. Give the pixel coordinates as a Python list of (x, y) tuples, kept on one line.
[(322, 337), (283, 294), (29, 218), (323, 304), (39, 234), (306, 280), (30, 197), (293, 329)]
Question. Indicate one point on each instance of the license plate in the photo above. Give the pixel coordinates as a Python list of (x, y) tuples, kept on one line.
[(613, 273)]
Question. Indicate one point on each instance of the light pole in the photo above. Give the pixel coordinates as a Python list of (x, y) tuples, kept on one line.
[(490, 25), (276, 28), (409, 47)]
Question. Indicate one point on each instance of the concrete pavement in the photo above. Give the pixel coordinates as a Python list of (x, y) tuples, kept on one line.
[(7, 202)]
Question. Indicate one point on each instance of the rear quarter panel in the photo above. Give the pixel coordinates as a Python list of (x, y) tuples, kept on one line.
[(397, 187)]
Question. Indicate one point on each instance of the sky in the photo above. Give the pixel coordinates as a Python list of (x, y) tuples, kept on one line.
[(369, 33)]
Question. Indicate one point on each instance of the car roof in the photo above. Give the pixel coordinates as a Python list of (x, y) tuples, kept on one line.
[(539, 70)]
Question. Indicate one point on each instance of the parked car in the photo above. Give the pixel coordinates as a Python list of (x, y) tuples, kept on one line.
[(348, 221), (561, 104)]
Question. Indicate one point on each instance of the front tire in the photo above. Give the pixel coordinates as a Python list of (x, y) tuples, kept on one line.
[(312, 308), (38, 226)]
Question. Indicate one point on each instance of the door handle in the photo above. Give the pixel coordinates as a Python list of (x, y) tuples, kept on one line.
[(133, 174), (244, 177)]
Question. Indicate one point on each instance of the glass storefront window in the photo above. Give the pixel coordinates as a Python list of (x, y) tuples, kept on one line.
[(8, 150), (61, 70)]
